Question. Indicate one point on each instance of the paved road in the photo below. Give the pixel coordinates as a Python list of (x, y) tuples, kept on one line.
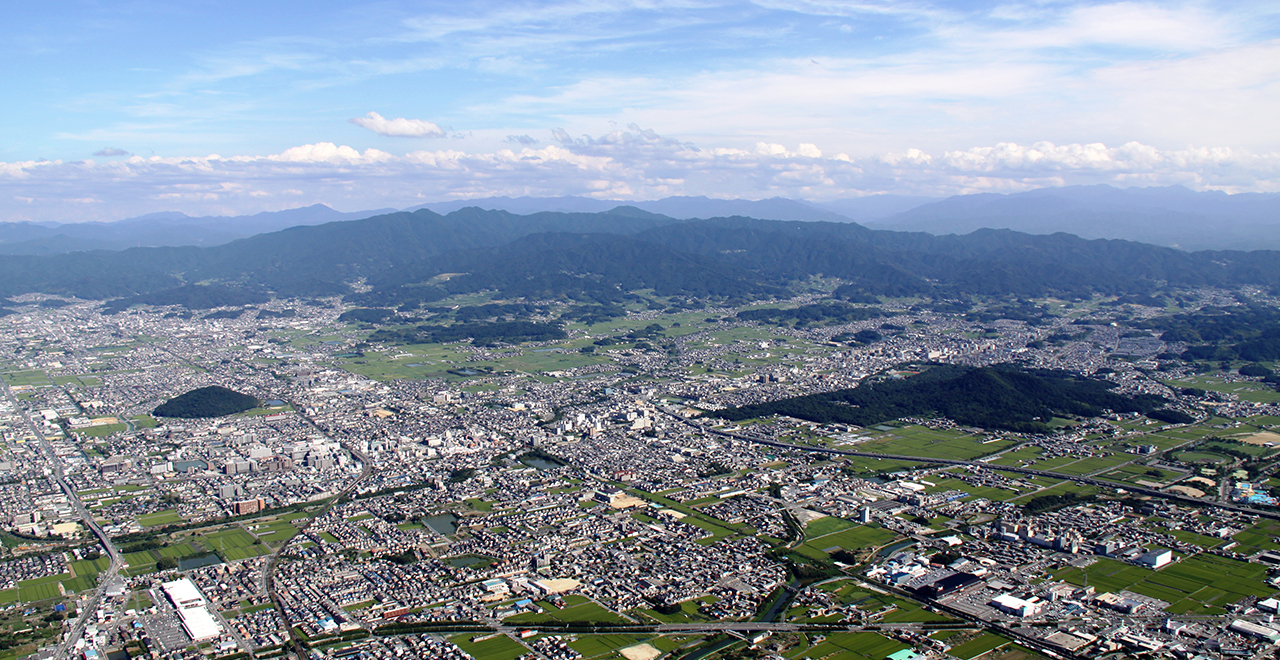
[(105, 578)]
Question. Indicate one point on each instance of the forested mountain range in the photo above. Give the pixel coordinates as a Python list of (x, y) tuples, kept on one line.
[(422, 256), (1171, 216)]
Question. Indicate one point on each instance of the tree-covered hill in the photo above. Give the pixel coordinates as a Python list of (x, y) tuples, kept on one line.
[(594, 267), (193, 296), (1002, 397), (213, 401)]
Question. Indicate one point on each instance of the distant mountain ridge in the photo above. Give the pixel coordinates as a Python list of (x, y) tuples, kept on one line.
[(601, 256), (166, 229), (684, 208), (1172, 216)]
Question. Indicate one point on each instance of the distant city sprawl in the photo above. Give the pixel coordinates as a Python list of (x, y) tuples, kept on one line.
[(670, 476)]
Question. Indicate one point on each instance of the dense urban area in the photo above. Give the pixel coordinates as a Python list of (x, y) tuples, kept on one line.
[(667, 478)]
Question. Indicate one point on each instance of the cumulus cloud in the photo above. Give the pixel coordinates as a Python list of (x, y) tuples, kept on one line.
[(111, 151), (634, 163), (399, 127), (522, 140)]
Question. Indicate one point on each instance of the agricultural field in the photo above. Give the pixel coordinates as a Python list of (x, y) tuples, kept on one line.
[(577, 608), (1138, 474), (1198, 456), (975, 492), (1258, 537), (1203, 584), (1245, 390), (235, 543), (977, 646), (28, 378), (1059, 488), (851, 646)]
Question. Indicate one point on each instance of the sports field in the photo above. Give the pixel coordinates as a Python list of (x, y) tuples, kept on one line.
[(495, 647)]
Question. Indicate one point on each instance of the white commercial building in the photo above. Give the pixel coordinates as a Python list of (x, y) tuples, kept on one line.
[(192, 610), (1017, 606), (1156, 558)]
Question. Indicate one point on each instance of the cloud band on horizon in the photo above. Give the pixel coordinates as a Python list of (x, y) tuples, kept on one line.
[(630, 164)]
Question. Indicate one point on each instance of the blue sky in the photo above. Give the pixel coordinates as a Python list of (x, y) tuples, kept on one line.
[(120, 108)]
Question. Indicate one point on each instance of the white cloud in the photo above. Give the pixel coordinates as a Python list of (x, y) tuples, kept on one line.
[(399, 127), (634, 163)]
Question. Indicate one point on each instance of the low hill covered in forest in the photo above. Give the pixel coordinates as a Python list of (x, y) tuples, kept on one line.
[(1001, 397), (213, 401)]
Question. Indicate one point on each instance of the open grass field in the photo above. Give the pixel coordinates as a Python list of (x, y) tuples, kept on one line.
[(1201, 540), (1093, 464), (853, 539), (235, 543), (495, 647), (977, 646), (77, 381), (420, 361), (160, 518), (1201, 457), (577, 608), (1252, 450), (180, 550), (928, 443), (102, 431), (43, 588), (827, 525), (864, 465), (1058, 489), (140, 562), (80, 584)]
